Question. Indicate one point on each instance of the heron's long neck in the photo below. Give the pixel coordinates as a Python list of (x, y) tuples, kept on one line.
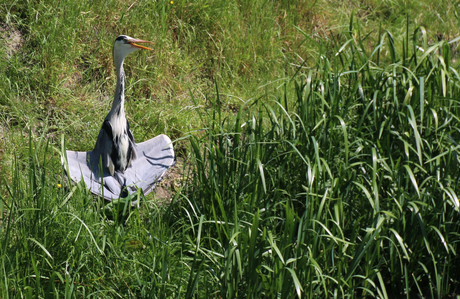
[(119, 99)]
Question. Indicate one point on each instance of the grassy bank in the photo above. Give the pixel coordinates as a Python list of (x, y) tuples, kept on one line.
[(58, 73), (319, 161)]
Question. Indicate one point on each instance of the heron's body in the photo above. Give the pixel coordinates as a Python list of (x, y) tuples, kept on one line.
[(125, 165), (115, 142)]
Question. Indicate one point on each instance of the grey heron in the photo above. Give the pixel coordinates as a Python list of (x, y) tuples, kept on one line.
[(117, 166)]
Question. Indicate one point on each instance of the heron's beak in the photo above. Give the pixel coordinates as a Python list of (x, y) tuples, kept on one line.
[(134, 43)]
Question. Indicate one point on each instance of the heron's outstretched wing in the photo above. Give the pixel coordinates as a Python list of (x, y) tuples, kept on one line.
[(153, 159)]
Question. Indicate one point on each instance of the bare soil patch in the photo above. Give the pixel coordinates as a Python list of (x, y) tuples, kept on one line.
[(11, 38), (173, 179)]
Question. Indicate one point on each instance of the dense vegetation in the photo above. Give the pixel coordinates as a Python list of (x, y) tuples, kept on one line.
[(319, 146)]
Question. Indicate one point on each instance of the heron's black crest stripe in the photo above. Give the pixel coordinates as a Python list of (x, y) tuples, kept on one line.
[(121, 37)]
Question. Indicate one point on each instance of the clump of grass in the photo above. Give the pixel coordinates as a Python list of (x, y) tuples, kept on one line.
[(347, 189)]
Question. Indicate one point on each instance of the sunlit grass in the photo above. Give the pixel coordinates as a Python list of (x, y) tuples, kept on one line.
[(348, 189), (315, 164)]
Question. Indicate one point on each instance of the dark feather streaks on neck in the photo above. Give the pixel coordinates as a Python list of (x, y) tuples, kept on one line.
[(121, 92), (130, 154), (118, 101)]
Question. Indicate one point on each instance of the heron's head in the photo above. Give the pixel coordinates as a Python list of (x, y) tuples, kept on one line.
[(125, 45)]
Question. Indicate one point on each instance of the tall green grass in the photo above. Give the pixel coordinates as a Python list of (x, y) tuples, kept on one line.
[(321, 155), (341, 183), (348, 189)]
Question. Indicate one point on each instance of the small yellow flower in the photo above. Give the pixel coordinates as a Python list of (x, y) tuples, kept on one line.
[(172, 2), (59, 185)]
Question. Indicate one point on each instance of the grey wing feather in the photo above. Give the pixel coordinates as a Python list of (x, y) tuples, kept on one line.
[(154, 157)]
